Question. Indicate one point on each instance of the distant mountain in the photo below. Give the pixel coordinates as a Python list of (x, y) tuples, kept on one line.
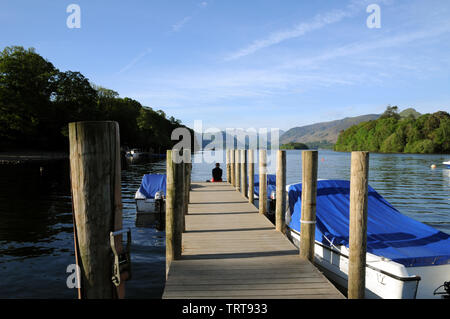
[(323, 133), (263, 138)]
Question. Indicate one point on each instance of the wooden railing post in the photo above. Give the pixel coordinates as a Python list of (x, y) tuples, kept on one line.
[(97, 204), (262, 181), (358, 224), (186, 183), (227, 156), (244, 172), (237, 160), (232, 168), (189, 178), (174, 207), (309, 196), (281, 192), (251, 176)]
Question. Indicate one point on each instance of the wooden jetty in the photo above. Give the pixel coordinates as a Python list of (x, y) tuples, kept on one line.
[(218, 244), (229, 250)]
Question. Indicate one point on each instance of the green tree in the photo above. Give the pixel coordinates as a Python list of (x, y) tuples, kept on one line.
[(75, 98), (391, 111), (429, 133), (26, 83), (37, 101)]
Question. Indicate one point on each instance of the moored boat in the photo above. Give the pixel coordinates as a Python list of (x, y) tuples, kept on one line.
[(271, 193), (405, 258), (150, 200), (447, 164), (136, 154)]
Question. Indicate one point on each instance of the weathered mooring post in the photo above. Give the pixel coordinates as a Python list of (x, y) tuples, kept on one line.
[(359, 182), (309, 196), (262, 181), (189, 178), (97, 204), (244, 172), (232, 168), (227, 158), (237, 160), (281, 192), (186, 183), (251, 176), (174, 206)]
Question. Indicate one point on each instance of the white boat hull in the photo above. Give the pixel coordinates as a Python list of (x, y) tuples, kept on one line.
[(384, 278), (148, 212), (145, 205)]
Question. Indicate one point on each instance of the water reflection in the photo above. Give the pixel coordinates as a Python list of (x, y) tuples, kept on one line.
[(36, 232)]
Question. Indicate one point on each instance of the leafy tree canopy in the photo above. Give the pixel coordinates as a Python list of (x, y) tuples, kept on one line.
[(426, 134), (294, 146), (37, 101)]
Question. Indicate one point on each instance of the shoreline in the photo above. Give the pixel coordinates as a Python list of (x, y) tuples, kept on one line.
[(24, 157)]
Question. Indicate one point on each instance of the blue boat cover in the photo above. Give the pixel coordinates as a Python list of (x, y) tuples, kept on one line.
[(271, 184), (151, 184), (389, 233)]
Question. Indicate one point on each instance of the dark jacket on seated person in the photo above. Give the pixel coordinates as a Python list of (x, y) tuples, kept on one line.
[(217, 174)]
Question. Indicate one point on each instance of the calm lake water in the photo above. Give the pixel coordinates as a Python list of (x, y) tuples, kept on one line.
[(36, 231)]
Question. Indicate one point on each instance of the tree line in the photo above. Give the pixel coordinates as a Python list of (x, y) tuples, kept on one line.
[(294, 146), (391, 133), (37, 101)]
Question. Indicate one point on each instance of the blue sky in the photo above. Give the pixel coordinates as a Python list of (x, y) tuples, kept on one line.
[(267, 63)]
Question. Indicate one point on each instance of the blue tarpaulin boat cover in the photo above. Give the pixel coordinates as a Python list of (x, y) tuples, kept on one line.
[(271, 184), (389, 233), (151, 184)]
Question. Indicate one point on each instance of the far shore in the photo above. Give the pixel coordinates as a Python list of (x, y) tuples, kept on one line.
[(26, 156)]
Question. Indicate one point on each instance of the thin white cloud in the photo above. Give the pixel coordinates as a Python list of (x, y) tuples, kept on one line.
[(318, 22), (135, 60), (224, 85), (299, 30), (180, 24), (369, 46), (177, 27)]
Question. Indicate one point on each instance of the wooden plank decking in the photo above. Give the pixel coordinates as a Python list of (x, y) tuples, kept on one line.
[(230, 251)]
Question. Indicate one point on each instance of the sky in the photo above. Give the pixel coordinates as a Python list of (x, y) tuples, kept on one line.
[(241, 64)]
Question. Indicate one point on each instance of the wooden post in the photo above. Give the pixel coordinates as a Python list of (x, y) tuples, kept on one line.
[(262, 181), (232, 168), (189, 178), (97, 204), (238, 169), (251, 176), (186, 184), (174, 207), (244, 172), (281, 192), (308, 213), (227, 156), (358, 224)]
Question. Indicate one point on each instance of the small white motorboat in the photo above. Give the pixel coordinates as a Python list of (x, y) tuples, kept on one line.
[(136, 154), (447, 164), (405, 258), (150, 201)]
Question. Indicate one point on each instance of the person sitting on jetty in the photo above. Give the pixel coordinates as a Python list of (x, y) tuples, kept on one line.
[(217, 173)]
